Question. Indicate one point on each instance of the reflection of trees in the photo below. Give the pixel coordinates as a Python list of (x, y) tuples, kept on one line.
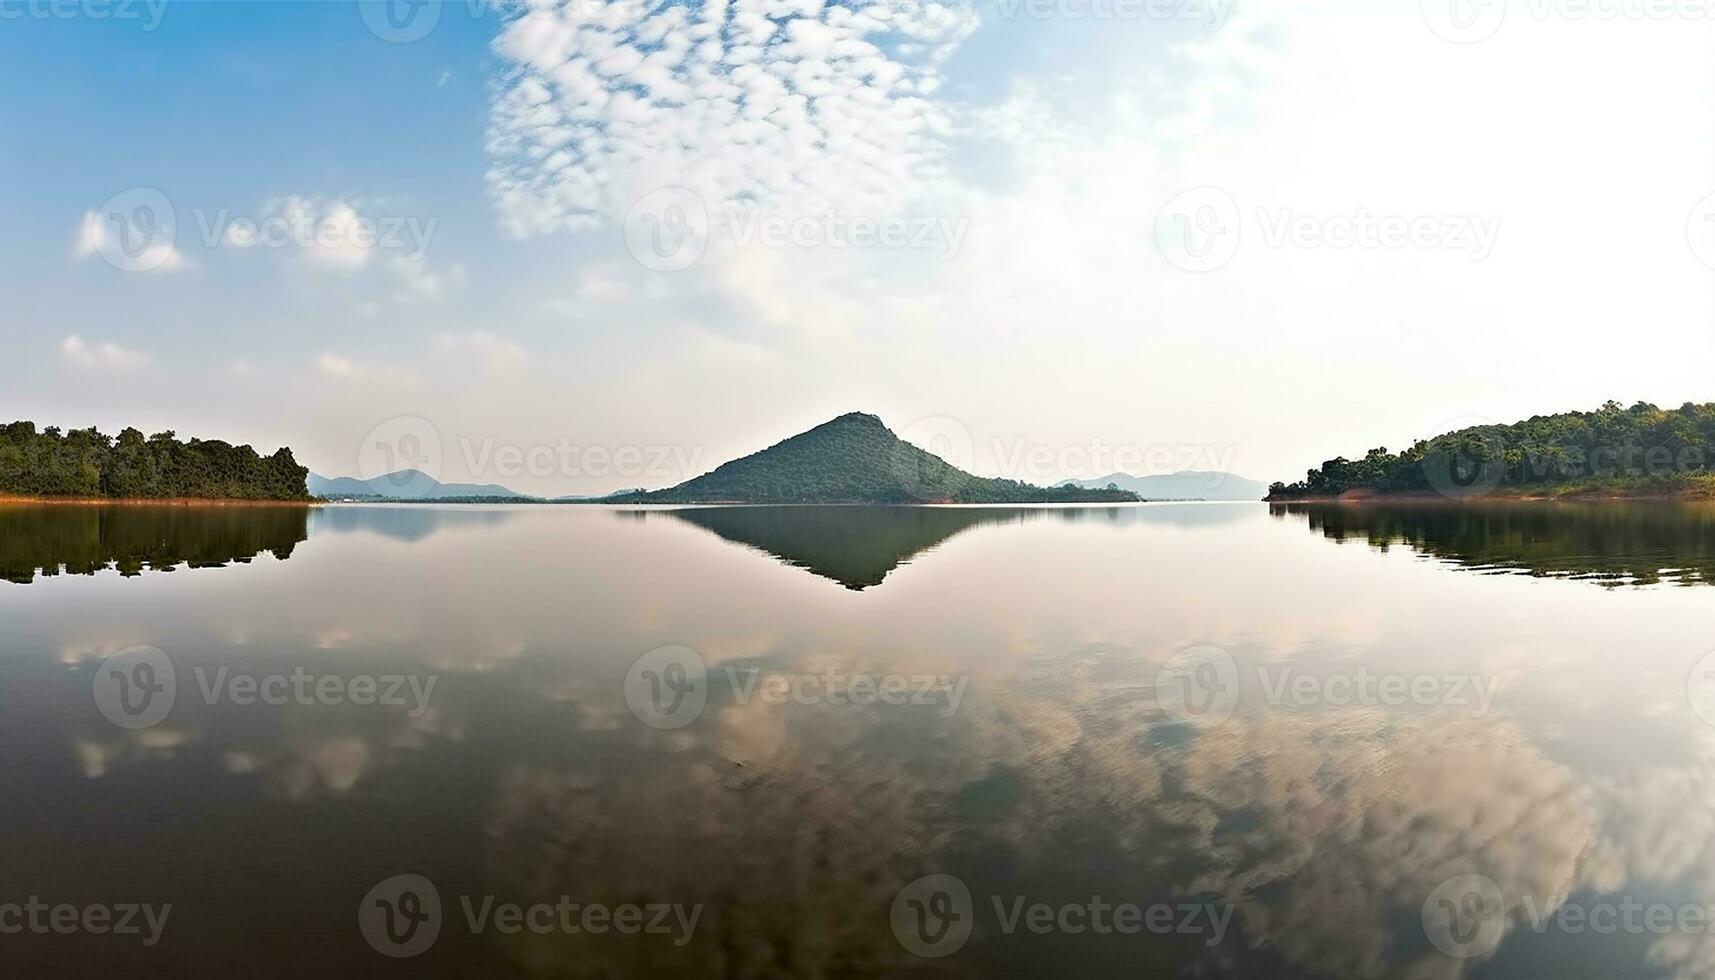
[(1643, 543), (85, 539)]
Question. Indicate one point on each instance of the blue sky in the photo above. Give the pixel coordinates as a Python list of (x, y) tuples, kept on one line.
[(1034, 165)]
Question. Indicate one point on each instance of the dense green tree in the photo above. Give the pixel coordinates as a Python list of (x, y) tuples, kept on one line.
[(86, 463), (1643, 448)]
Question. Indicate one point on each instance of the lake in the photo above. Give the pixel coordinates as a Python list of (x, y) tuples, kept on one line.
[(1213, 740)]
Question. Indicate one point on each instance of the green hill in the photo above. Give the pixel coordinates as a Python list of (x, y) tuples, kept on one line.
[(855, 459), (1639, 451)]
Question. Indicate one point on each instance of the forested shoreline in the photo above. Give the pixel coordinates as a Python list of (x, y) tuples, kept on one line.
[(1642, 451), (86, 464)]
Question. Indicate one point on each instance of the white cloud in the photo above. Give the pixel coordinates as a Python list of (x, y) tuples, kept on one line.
[(111, 357), (1061, 258), (94, 237), (415, 280), (482, 347), (334, 366), (796, 106), (602, 284), (334, 233), (337, 239)]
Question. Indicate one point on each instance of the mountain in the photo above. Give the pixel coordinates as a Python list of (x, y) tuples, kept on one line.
[(404, 485), (1184, 485), (855, 459)]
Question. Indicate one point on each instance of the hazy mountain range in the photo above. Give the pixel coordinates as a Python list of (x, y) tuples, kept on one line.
[(1184, 485), (852, 459), (403, 485)]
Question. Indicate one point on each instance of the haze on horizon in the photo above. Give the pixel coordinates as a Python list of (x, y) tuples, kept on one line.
[(1420, 242)]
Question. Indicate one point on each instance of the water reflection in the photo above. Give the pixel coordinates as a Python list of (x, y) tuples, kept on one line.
[(84, 540), (855, 546), (403, 522), (858, 546), (1643, 543), (134, 538), (1321, 829)]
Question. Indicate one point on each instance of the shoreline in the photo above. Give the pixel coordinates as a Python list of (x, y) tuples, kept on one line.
[(1582, 497), (152, 502)]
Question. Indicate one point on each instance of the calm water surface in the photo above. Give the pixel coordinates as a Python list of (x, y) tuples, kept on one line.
[(1207, 740)]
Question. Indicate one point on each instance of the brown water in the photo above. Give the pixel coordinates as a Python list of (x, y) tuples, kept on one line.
[(1160, 740)]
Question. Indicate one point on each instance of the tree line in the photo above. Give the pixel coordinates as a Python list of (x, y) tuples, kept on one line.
[(87, 463), (1641, 448)]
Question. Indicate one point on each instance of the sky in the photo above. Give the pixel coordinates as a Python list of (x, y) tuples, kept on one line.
[(575, 246)]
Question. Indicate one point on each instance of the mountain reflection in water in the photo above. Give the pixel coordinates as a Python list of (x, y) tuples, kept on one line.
[(858, 546), (405, 522)]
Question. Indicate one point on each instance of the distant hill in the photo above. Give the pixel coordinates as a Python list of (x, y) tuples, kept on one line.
[(1184, 485), (855, 459), (404, 485)]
